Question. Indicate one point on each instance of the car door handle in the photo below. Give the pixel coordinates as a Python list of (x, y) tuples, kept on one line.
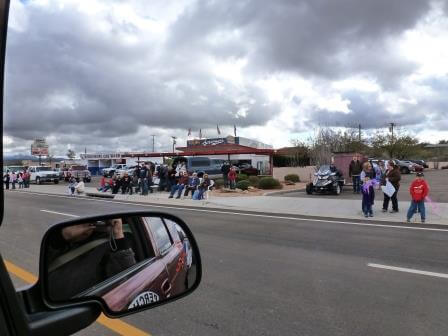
[(166, 287)]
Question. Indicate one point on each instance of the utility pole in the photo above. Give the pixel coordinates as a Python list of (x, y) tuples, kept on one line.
[(174, 141), (359, 135), (153, 143), (391, 129)]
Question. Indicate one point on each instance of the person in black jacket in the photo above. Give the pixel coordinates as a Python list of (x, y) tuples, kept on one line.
[(225, 172), (6, 179), (126, 184), (354, 171), (392, 175)]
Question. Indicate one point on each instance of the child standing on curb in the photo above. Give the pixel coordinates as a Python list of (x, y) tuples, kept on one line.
[(419, 190), (368, 196)]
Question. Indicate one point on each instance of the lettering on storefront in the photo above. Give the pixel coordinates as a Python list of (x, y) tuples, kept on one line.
[(100, 156)]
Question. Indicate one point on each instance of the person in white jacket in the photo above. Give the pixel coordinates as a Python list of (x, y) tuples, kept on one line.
[(79, 186)]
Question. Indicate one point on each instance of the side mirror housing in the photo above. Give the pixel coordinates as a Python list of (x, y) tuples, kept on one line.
[(126, 262)]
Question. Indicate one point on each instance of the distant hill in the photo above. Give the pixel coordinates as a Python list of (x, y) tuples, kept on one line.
[(20, 157)]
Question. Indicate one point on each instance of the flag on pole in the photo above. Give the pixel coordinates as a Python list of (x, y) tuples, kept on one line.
[(217, 128), (189, 131), (200, 133), (234, 129)]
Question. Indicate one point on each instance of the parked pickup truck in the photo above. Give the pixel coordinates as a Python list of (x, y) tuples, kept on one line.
[(80, 172), (111, 170), (41, 174)]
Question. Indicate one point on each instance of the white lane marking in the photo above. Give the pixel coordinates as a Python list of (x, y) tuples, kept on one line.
[(242, 214), (409, 270), (60, 213)]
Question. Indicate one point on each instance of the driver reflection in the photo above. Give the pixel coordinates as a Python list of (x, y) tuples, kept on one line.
[(81, 256)]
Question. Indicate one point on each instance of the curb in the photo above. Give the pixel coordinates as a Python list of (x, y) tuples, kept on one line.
[(207, 203), (282, 192)]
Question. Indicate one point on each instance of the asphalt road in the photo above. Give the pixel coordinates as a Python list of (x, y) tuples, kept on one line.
[(437, 180), (268, 275)]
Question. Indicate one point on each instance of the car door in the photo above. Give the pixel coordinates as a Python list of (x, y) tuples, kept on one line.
[(171, 253)]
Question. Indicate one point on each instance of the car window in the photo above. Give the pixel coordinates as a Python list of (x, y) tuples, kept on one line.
[(43, 168), (203, 162), (160, 233), (172, 229)]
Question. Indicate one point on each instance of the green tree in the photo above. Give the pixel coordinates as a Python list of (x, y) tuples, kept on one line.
[(400, 146)]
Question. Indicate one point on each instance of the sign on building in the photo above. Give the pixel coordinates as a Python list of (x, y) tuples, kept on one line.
[(100, 156), (39, 147)]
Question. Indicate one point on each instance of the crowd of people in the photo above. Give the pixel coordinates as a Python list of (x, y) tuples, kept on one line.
[(368, 177), (16, 180), (148, 177)]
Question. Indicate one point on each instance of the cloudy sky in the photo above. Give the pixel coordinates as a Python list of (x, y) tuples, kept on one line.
[(106, 75)]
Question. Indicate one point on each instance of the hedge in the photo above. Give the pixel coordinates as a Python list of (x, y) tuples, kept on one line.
[(269, 183), (241, 177), (243, 185), (254, 181), (219, 183), (292, 177)]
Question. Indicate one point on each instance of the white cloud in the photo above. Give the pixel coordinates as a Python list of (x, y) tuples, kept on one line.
[(105, 74)]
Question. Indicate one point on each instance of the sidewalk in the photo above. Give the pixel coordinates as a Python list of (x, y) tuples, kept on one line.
[(335, 208)]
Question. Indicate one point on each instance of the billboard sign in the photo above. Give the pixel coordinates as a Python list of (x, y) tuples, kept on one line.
[(39, 147)]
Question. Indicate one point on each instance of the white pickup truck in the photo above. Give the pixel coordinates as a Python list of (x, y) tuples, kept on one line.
[(111, 170), (41, 174)]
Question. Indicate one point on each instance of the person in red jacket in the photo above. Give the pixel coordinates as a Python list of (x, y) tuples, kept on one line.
[(232, 177), (419, 190)]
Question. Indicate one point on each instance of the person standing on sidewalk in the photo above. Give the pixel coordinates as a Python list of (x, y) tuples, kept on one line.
[(368, 196), (232, 177), (6, 179), (20, 180), (354, 171), (419, 190), (393, 176), (225, 169), (13, 179)]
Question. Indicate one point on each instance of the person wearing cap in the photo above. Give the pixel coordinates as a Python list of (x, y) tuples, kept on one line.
[(419, 189), (393, 176)]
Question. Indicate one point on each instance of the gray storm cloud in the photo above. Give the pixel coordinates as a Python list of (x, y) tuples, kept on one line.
[(69, 78)]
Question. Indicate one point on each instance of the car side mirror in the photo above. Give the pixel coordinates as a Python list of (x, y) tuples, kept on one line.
[(126, 262)]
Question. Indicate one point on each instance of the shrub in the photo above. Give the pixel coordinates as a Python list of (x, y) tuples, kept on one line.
[(243, 185), (241, 177), (292, 177), (269, 183), (254, 180), (219, 183)]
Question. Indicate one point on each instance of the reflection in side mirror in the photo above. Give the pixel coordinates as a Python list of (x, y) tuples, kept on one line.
[(126, 262)]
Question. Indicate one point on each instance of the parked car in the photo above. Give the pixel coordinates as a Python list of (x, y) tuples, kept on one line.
[(246, 168), (14, 169), (60, 173), (421, 163), (212, 167), (41, 174), (407, 167), (126, 169), (110, 171)]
